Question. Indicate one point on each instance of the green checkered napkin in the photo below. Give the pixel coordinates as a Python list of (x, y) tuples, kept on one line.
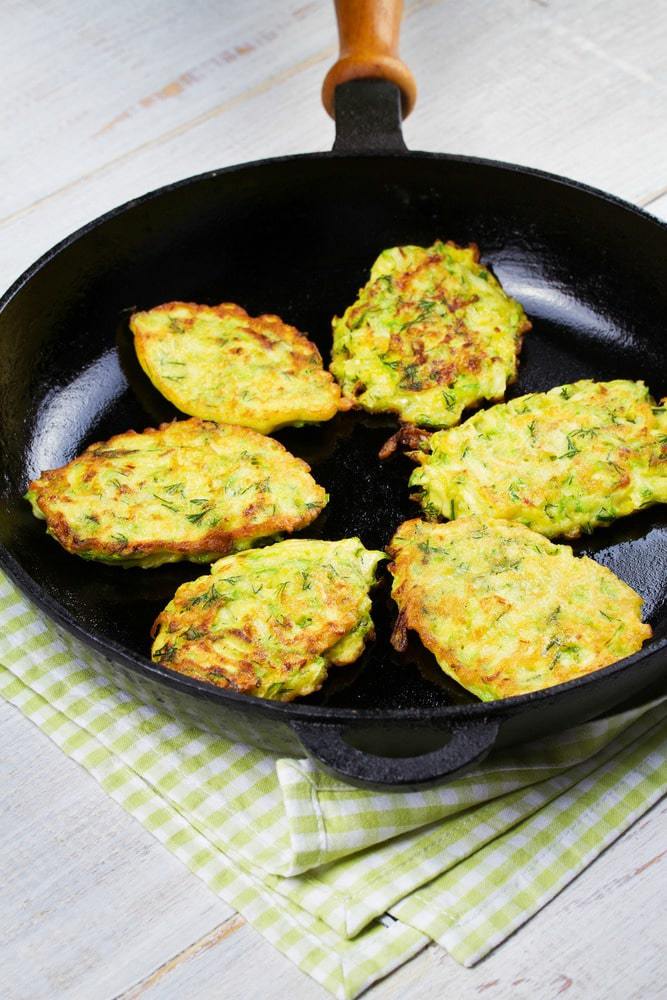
[(347, 883)]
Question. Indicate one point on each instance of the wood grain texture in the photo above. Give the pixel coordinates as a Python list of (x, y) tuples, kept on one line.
[(90, 900), (578, 944), (105, 101), (658, 206), (549, 86), (369, 38)]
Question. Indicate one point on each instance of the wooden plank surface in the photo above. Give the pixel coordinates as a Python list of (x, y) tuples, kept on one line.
[(90, 900), (105, 101), (582, 108), (544, 960)]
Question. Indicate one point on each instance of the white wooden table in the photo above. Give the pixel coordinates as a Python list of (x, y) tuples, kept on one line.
[(104, 101)]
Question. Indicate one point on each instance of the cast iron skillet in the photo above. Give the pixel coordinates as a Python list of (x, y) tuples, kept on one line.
[(296, 236)]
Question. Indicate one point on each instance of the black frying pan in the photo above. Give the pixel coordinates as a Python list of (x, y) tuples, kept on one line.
[(296, 236)]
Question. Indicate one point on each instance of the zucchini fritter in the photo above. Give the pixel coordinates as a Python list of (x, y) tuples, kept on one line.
[(504, 610), (191, 490), (270, 621), (219, 363), (431, 333), (561, 462)]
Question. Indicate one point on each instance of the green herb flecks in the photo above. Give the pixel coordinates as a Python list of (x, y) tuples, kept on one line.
[(410, 379), (605, 516), (167, 504), (389, 364), (430, 510), (194, 633), (196, 518), (572, 449), (586, 432), (504, 566), (206, 599), (421, 317), (513, 490), (166, 653)]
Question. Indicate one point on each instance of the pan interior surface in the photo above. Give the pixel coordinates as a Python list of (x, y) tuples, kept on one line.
[(297, 237)]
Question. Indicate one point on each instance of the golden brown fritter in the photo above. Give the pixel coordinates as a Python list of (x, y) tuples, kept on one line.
[(219, 363), (269, 622), (192, 489), (431, 333), (504, 610), (561, 462)]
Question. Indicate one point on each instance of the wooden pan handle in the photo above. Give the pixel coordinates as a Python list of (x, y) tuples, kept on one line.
[(368, 31)]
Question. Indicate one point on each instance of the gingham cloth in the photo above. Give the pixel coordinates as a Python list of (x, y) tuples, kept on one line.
[(347, 883)]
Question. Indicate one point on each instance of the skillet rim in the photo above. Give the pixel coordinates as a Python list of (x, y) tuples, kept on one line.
[(317, 713), (481, 161)]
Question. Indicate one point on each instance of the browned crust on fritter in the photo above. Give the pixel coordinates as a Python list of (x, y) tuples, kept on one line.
[(224, 309), (217, 542), (307, 353), (399, 635), (445, 375), (407, 436), (244, 675)]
